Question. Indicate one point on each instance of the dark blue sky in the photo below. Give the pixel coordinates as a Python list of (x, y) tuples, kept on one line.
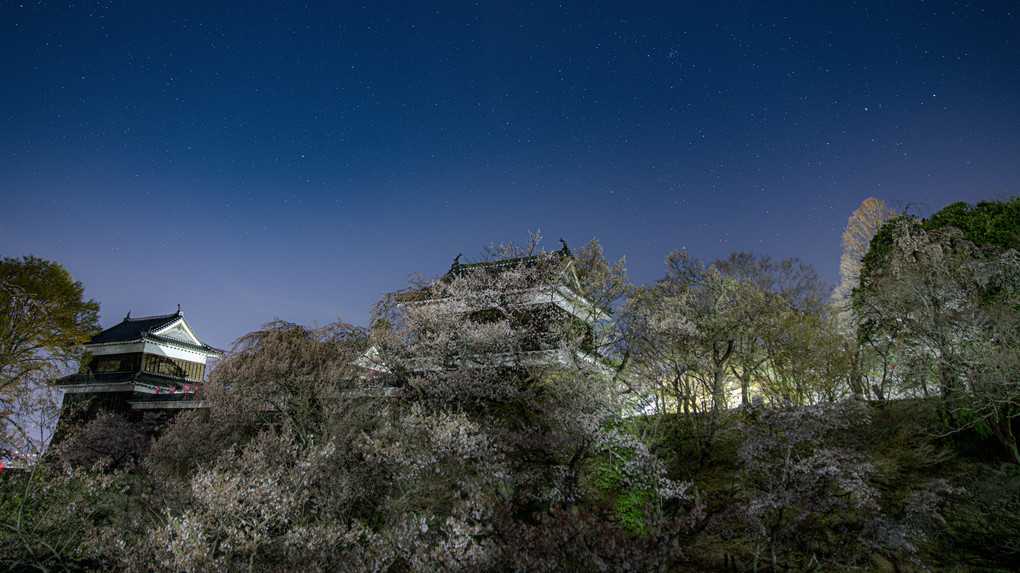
[(252, 160)]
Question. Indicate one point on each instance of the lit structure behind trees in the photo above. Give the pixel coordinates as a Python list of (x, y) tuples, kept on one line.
[(138, 359)]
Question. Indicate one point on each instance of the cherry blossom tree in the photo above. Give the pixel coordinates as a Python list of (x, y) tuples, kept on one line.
[(271, 474), (506, 406), (466, 425), (947, 311)]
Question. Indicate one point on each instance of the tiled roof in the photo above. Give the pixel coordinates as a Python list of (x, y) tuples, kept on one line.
[(555, 259), (133, 328), (104, 378), (459, 268)]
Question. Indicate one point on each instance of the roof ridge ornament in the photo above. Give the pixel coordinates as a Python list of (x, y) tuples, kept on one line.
[(456, 260), (565, 248), (128, 317)]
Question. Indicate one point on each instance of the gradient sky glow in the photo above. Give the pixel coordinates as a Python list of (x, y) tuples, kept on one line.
[(253, 160)]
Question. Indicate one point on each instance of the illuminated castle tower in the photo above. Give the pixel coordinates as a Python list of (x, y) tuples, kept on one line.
[(549, 299), (151, 362)]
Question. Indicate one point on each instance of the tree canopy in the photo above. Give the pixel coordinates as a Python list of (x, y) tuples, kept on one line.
[(987, 223), (939, 298), (44, 320)]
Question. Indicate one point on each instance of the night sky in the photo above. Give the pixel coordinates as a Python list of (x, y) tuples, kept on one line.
[(252, 160)]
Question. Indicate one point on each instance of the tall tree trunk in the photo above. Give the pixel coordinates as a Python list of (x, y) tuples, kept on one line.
[(719, 403), (950, 390), (857, 385), (719, 359)]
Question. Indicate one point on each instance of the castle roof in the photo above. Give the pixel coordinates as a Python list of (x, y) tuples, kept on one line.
[(133, 328), (555, 258), (557, 279), (163, 328)]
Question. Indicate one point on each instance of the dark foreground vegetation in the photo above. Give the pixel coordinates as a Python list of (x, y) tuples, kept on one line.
[(942, 502), (815, 488), (729, 417)]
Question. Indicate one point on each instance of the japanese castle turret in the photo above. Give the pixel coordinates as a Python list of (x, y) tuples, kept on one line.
[(550, 297), (143, 363)]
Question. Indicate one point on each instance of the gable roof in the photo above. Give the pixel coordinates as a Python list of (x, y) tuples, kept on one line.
[(152, 328), (559, 262), (561, 258), (560, 281), (134, 328)]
